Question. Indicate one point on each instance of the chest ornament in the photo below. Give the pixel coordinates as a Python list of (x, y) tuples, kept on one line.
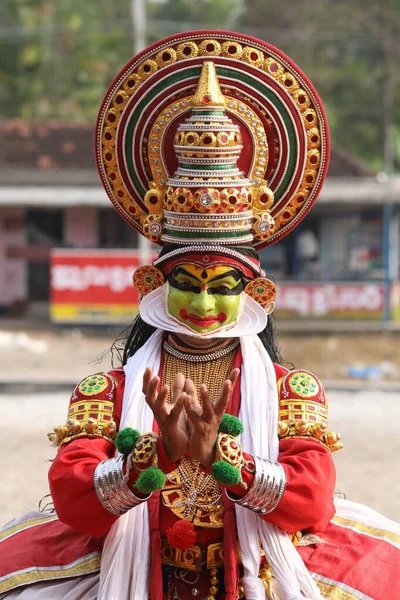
[(193, 495)]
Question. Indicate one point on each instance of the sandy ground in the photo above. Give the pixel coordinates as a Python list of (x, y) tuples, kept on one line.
[(367, 467), (71, 354)]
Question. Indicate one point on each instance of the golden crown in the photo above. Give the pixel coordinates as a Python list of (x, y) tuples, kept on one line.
[(208, 198)]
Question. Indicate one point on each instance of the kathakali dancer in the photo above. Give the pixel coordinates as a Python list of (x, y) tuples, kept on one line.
[(202, 467)]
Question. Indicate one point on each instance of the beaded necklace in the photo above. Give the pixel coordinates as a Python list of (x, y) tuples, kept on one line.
[(180, 350), (189, 492)]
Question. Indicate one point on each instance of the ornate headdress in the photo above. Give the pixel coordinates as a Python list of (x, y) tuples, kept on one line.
[(210, 141)]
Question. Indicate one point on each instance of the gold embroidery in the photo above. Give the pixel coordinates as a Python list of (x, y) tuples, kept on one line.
[(309, 420), (81, 567), (334, 592), (189, 559), (6, 533), (215, 555), (292, 410), (388, 536), (94, 418)]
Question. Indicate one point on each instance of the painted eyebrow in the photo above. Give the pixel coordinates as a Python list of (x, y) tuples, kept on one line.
[(179, 270), (232, 273)]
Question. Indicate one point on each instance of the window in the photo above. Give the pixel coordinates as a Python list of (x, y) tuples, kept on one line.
[(114, 232)]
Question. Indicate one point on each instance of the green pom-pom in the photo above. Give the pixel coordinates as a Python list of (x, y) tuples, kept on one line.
[(126, 439), (231, 425), (150, 480), (225, 473)]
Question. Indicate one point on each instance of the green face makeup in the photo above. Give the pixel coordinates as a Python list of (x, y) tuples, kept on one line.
[(205, 299)]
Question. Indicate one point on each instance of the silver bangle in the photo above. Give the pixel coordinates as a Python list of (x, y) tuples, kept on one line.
[(112, 489), (267, 489)]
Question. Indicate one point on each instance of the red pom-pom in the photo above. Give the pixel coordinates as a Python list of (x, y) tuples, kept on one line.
[(181, 535)]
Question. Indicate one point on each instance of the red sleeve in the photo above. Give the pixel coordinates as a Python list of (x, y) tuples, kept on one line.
[(310, 471), (310, 481), (72, 489), (72, 471), (307, 502)]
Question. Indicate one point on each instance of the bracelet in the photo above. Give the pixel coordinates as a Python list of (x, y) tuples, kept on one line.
[(139, 450), (229, 460), (144, 451), (112, 489), (267, 489)]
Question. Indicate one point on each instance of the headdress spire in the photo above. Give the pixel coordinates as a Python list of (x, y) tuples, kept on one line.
[(208, 92)]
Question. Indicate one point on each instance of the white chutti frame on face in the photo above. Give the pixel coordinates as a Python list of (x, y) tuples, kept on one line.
[(153, 310)]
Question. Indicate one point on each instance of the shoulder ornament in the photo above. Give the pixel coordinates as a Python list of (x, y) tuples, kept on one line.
[(303, 409), (90, 412)]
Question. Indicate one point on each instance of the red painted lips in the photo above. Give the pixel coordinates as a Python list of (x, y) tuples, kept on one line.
[(202, 321)]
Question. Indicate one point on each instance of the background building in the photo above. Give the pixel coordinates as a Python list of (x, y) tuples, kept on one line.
[(51, 197)]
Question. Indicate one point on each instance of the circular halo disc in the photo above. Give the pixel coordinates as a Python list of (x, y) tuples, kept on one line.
[(268, 96)]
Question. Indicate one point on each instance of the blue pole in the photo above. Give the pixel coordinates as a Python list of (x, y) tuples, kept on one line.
[(386, 254), (329, 251)]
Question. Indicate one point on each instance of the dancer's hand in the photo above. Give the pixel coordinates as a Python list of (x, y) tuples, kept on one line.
[(205, 418), (169, 417)]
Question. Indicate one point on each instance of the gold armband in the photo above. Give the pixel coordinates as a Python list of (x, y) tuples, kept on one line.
[(92, 417), (303, 410)]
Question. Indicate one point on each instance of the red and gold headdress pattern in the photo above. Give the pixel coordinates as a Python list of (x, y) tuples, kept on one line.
[(210, 141), (214, 138)]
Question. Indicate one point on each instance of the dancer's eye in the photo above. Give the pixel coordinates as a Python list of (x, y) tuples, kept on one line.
[(227, 289), (185, 285), (221, 289)]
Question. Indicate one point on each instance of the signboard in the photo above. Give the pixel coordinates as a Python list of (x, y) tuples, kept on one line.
[(94, 286), (331, 300), (395, 301)]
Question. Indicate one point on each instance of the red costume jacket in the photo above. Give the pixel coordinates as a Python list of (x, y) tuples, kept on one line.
[(307, 503), (352, 553)]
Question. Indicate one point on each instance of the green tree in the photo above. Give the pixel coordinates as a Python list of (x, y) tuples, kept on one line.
[(59, 57), (169, 17), (350, 51)]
